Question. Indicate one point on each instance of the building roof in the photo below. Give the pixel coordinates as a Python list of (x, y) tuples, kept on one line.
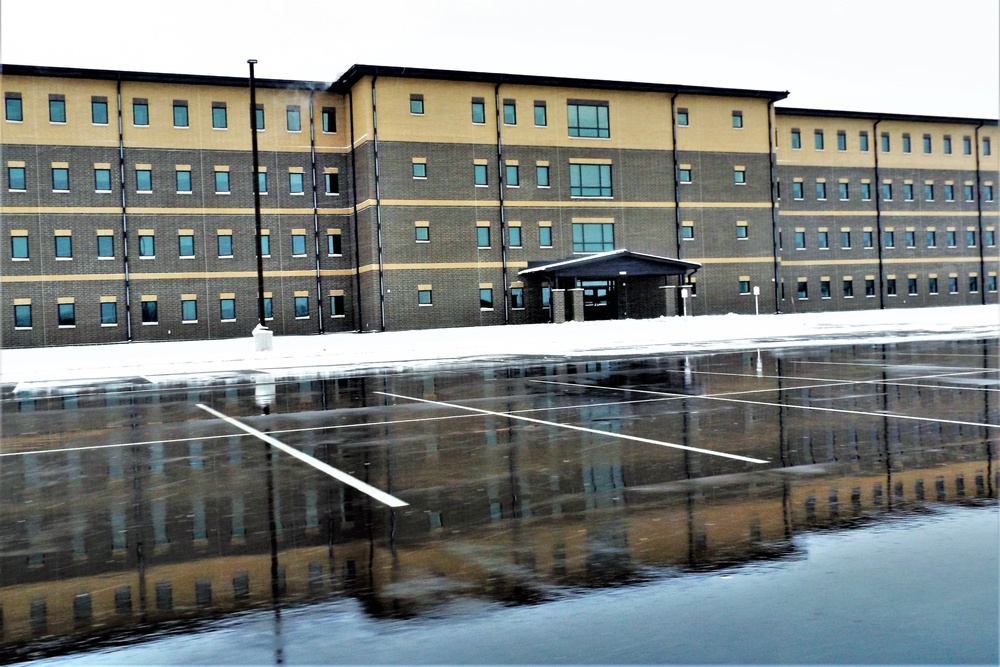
[(874, 115), (613, 263)]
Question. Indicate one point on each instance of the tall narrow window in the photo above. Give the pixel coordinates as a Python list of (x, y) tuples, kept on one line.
[(183, 178), (927, 144), (541, 114), (57, 109), (479, 174), (737, 120), (542, 175), (259, 117), (13, 109), (512, 176), (818, 139), (143, 180), (331, 182), (509, 112), (482, 236), (180, 113), (906, 142), (222, 182), (841, 140), (796, 139), (863, 141), (99, 110), (140, 113), (478, 110), (329, 119), (219, 120), (885, 142), (293, 118), (947, 144)]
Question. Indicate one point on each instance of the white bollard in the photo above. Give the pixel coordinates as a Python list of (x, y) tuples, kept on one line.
[(263, 339)]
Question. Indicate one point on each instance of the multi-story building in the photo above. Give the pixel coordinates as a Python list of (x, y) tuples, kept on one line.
[(397, 198)]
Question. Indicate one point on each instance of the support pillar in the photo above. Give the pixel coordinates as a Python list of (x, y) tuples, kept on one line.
[(558, 306), (576, 295)]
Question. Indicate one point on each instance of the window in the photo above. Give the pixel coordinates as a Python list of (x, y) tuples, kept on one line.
[(932, 285), (105, 246), (541, 114), (866, 191), (991, 283), (887, 192), (509, 112), (927, 144), (483, 237), (682, 117), (991, 239), (60, 179), (797, 190), (818, 139), (885, 142), (293, 118), (908, 191), (744, 285), (824, 289), (262, 182), (222, 182), (953, 284), (424, 296), (988, 192), (845, 239), (800, 240), (224, 244), (185, 245), (259, 117), (928, 192), (331, 182), (419, 170), (140, 113), (951, 238), (147, 245), (15, 178), (57, 109), (906, 143), (973, 284), (517, 298), (737, 120), (848, 288), (889, 239), (986, 146), (422, 234), (684, 174), (99, 110), (180, 113), (512, 175), (841, 140), (417, 104), (334, 245), (542, 175), (947, 144), (22, 316), (295, 183), (298, 244), (64, 246), (890, 286), (143, 180), (742, 231), (911, 286), (590, 180), (824, 240), (593, 236), (336, 305), (102, 179), (867, 239), (796, 139), (149, 312), (268, 308), (844, 191), (514, 234), (19, 247), (739, 176), (486, 298), (301, 307), (949, 192), (970, 194), (189, 310), (328, 119), (546, 295), (265, 244), (219, 120), (863, 142), (183, 179), (589, 120), (109, 313), (820, 190), (545, 237), (13, 110), (66, 314), (911, 238), (967, 145), (478, 110), (869, 287), (227, 309), (687, 232), (479, 174)]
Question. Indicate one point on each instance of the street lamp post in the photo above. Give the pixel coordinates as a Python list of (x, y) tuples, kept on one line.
[(262, 335)]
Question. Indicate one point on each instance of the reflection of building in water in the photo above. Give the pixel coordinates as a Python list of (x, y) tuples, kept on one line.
[(177, 527)]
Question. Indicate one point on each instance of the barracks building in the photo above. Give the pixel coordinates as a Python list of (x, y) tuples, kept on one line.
[(398, 198)]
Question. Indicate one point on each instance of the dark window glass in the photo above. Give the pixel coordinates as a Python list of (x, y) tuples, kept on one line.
[(301, 306), (820, 190), (841, 140), (329, 119), (796, 139), (845, 239), (818, 139), (517, 297), (590, 180), (185, 245), (844, 191), (593, 236), (867, 239), (973, 284), (486, 298), (541, 114), (801, 288), (478, 112), (99, 111), (15, 178), (22, 316), (737, 119), (797, 190), (911, 286), (890, 286), (848, 288), (890, 239), (800, 240), (180, 114), (824, 240), (927, 144), (885, 142), (331, 182), (109, 312), (824, 289), (105, 246), (67, 314), (140, 113), (970, 238), (866, 191), (64, 246), (947, 145), (334, 245), (869, 287), (682, 117), (337, 305), (589, 120), (863, 142), (906, 143), (219, 120), (967, 145), (57, 111), (60, 178), (149, 312), (932, 285), (13, 109)]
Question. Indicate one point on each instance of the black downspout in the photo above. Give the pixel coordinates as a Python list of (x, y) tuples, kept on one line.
[(775, 250), (503, 220), (877, 195), (121, 185), (256, 197), (316, 245), (677, 191), (979, 218), (358, 319), (378, 214)]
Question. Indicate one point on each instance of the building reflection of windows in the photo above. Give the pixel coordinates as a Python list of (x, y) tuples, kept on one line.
[(156, 457), (118, 530), (36, 539), (164, 593), (115, 468), (196, 457), (158, 509), (79, 536), (311, 509), (83, 611), (559, 560), (234, 450), (918, 490), (241, 586), (29, 470), (238, 532), (39, 616), (198, 523), (317, 579), (877, 495), (123, 600), (203, 592)]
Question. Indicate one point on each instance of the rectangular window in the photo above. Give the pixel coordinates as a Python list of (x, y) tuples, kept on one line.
[(841, 140), (13, 109), (149, 312), (422, 234), (143, 180), (990, 236), (295, 183), (259, 117), (479, 174), (988, 192), (222, 182), (301, 307), (541, 114), (147, 245), (109, 313), (848, 288), (890, 286), (183, 178), (911, 286), (947, 144), (328, 118), (419, 170), (967, 145), (512, 176), (227, 309), (514, 233), (185, 245), (219, 120), (189, 310), (140, 113), (991, 283), (425, 297), (911, 238), (262, 182), (486, 298), (509, 112), (478, 111), (224, 244), (797, 190), (684, 174), (739, 176), (483, 237), (265, 244), (969, 192), (820, 190), (180, 113), (589, 120), (293, 118), (885, 142), (268, 308), (800, 240), (845, 239), (824, 289), (416, 104), (953, 284), (987, 147), (927, 144), (844, 191), (19, 247), (15, 178), (102, 179), (889, 239), (64, 246), (949, 192), (545, 237), (745, 286), (542, 175), (60, 179), (298, 245), (517, 298), (951, 238), (336, 305), (887, 192), (863, 142), (737, 120), (331, 182), (742, 231), (928, 192), (546, 295), (906, 143), (57, 109), (796, 139), (973, 284), (682, 117), (824, 240), (818, 139), (869, 287), (687, 232), (590, 180), (99, 110), (22, 316), (908, 191), (867, 239), (866, 191), (66, 314), (593, 236), (932, 285), (105, 246), (334, 245)]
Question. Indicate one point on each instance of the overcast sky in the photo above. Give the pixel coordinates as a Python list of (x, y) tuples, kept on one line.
[(901, 56)]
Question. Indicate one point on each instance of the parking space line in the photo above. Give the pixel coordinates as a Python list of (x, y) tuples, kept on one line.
[(572, 427), (378, 495), (723, 397)]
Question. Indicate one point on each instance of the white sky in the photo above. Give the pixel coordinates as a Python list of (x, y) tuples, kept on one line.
[(901, 56)]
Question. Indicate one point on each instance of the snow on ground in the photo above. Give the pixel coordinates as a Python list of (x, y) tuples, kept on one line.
[(159, 361)]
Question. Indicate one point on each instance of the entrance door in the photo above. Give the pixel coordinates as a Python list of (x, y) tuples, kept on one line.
[(599, 302)]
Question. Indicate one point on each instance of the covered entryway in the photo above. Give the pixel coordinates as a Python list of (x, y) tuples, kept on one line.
[(617, 284)]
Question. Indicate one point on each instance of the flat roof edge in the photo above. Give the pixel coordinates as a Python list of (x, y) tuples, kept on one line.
[(874, 115), (156, 77)]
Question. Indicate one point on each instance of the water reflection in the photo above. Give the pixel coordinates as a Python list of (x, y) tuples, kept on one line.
[(189, 523)]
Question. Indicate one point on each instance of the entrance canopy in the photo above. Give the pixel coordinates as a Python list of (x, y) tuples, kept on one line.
[(611, 264)]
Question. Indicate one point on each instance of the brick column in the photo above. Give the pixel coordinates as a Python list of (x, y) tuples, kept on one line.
[(577, 296), (558, 306)]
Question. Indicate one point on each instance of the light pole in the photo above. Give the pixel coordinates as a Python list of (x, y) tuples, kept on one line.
[(262, 335)]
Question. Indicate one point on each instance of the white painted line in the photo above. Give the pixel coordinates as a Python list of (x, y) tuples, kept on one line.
[(583, 429), (380, 496), (720, 397)]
